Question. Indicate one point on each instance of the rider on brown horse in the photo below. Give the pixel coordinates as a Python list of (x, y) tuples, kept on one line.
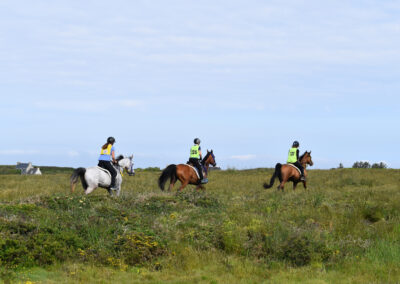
[(195, 158), (293, 158)]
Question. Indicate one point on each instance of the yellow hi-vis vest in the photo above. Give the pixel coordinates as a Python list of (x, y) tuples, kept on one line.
[(106, 151), (194, 152), (292, 158)]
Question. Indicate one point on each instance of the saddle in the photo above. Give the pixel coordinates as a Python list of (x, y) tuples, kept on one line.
[(194, 168), (294, 167)]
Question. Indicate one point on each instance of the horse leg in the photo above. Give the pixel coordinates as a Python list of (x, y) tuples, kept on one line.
[(183, 185), (294, 185), (89, 189), (305, 184), (200, 186), (171, 184)]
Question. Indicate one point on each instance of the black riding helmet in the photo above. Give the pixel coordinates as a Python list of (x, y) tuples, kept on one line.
[(111, 140), (296, 144), (196, 141)]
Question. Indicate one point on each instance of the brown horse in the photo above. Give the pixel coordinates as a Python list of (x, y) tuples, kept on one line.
[(287, 173), (185, 173)]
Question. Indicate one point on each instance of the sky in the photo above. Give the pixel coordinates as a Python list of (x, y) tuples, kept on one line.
[(246, 77)]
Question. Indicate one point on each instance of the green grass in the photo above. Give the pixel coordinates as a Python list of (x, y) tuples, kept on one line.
[(344, 229)]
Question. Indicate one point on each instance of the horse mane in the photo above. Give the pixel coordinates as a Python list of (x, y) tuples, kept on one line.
[(119, 158), (302, 156), (205, 158)]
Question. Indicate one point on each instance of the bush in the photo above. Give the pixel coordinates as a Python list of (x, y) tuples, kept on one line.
[(300, 250), (361, 165), (380, 165), (137, 248)]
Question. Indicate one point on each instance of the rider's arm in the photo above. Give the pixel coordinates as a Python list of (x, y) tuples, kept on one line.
[(113, 156), (297, 154), (201, 156)]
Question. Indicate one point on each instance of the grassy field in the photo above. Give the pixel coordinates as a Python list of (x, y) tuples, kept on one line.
[(344, 229)]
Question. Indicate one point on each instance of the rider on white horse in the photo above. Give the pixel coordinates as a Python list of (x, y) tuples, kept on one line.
[(107, 154)]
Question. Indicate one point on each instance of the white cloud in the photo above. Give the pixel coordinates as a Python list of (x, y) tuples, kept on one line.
[(243, 157), (18, 152), (90, 106), (73, 153)]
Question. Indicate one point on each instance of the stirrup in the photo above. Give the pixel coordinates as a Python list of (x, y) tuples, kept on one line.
[(204, 181), (303, 178)]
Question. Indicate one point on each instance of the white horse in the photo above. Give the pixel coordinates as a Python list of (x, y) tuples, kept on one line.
[(95, 177)]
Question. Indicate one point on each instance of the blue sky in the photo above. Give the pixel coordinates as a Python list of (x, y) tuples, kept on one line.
[(247, 77)]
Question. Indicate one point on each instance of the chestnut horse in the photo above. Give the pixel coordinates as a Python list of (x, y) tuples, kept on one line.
[(185, 174), (287, 173)]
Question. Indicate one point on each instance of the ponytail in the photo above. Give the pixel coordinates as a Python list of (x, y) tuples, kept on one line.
[(104, 146)]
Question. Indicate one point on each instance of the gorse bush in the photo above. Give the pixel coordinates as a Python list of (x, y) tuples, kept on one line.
[(136, 248), (344, 226), (64, 228)]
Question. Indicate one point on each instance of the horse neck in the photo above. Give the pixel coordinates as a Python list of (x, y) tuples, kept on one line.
[(205, 163), (303, 162), (123, 163)]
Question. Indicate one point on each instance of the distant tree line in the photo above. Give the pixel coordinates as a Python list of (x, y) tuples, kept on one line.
[(367, 165)]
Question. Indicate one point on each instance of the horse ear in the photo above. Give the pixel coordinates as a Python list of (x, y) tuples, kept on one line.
[(309, 153), (208, 151), (211, 150), (131, 157)]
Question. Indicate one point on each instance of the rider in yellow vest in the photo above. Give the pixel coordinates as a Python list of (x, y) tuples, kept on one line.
[(195, 158), (107, 154), (293, 158)]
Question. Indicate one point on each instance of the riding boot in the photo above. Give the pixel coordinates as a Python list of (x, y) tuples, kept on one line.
[(113, 183), (302, 177), (202, 180)]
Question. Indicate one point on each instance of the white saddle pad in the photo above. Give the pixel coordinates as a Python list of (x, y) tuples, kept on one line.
[(195, 170), (295, 168)]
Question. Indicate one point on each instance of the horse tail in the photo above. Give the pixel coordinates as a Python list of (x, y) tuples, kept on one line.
[(168, 173), (277, 174), (78, 173)]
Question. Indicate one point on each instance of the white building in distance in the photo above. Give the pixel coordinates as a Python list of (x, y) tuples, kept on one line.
[(28, 169)]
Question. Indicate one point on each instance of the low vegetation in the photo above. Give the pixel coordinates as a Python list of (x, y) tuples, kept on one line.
[(344, 228)]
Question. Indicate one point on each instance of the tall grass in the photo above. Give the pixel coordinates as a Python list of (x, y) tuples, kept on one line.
[(343, 228)]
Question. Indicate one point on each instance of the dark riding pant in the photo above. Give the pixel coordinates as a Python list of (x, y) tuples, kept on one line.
[(108, 166), (196, 163), (297, 164)]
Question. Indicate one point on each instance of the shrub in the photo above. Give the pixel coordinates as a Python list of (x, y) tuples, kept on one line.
[(297, 250), (380, 165), (373, 213), (13, 252), (136, 248), (361, 165), (301, 249)]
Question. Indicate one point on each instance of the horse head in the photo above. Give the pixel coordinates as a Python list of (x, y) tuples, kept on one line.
[(127, 164), (307, 158), (210, 158)]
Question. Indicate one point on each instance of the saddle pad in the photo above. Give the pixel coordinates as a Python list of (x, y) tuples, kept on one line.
[(195, 170), (104, 170), (295, 168)]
